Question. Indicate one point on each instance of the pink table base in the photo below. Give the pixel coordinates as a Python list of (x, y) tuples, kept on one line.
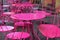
[(6, 28)]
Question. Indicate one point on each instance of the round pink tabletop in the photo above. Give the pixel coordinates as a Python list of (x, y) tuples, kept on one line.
[(18, 35), (28, 16), (6, 28)]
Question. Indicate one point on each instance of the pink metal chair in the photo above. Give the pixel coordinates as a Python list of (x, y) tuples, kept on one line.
[(27, 9), (17, 1), (21, 7), (18, 36), (10, 1), (49, 30), (18, 24), (2, 20), (13, 1), (4, 29), (5, 16), (23, 25)]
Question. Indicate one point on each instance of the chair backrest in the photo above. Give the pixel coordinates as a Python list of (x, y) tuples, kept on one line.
[(19, 24)]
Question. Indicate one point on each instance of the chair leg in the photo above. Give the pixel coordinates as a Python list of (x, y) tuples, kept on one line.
[(20, 38), (31, 38), (28, 29), (5, 38), (22, 29), (47, 38), (15, 28), (23, 39)]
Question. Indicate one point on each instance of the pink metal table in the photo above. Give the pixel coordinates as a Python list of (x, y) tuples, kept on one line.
[(29, 16)]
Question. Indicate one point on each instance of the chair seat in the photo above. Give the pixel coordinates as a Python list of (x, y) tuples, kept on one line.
[(6, 28), (8, 13), (18, 35), (48, 30)]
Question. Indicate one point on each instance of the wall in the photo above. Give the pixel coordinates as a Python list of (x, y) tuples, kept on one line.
[(57, 3), (45, 2)]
